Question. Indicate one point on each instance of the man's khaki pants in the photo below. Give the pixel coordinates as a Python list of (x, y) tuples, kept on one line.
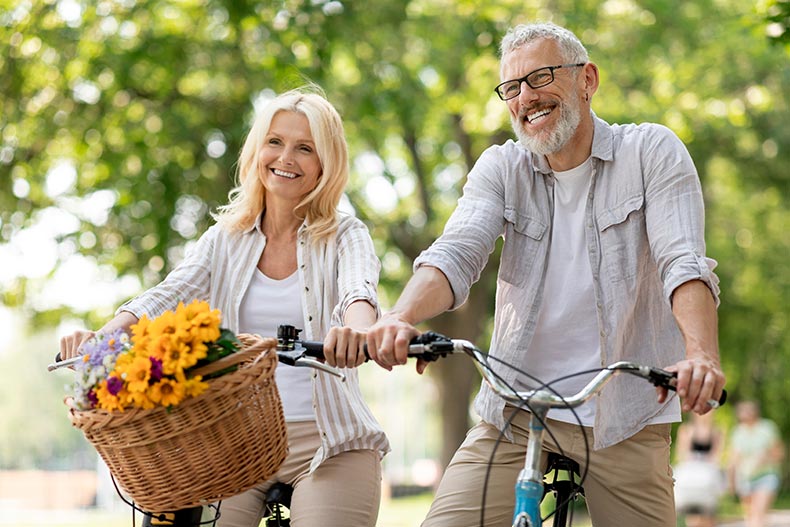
[(628, 485)]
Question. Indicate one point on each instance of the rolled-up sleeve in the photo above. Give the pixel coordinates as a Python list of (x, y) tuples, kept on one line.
[(675, 214), (358, 269), (469, 236)]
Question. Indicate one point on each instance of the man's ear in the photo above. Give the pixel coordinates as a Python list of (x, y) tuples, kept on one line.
[(591, 79)]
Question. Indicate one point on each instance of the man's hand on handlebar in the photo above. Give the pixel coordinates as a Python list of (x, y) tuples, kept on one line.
[(388, 342), (699, 384)]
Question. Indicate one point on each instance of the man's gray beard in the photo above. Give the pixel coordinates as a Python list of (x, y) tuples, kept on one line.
[(570, 117)]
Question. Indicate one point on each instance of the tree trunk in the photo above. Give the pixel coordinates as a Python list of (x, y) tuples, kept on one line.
[(456, 376)]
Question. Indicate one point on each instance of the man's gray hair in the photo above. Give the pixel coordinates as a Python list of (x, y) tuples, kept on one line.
[(572, 49)]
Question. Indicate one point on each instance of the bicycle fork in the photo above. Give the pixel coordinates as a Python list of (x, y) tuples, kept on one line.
[(529, 485)]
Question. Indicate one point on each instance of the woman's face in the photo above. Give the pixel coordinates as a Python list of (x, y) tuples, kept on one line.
[(288, 162)]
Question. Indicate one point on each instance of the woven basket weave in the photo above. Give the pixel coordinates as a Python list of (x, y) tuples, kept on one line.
[(208, 448)]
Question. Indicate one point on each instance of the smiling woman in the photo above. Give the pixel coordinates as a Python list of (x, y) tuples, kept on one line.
[(281, 252)]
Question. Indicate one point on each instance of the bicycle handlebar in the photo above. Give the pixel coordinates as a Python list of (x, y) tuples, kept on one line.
[(441, 346), (431, 346)]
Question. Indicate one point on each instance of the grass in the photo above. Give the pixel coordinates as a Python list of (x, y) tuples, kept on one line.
[(399, 512)]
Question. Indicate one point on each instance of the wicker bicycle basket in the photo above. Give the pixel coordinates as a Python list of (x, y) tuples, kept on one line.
[(208, 448)]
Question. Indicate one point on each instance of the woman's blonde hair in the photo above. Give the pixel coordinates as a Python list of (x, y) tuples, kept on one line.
[(319, 207)]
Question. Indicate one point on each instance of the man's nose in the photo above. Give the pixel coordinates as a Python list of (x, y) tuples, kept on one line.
[(526, 93)]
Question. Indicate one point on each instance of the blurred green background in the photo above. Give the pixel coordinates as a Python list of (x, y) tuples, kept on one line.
[(121, 121)]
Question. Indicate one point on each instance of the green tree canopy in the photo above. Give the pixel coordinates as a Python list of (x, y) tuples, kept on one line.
[(121, 122)]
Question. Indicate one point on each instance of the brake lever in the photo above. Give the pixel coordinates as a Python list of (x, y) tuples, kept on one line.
[(432, 346), (296, 355)]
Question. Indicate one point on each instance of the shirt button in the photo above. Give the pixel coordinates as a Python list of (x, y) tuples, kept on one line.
[(310, 318), (306, 288)]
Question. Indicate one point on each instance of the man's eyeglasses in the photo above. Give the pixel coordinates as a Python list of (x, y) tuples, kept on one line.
[(536, 79)]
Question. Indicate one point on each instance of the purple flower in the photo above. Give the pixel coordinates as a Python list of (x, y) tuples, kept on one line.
[(103, 345), (114, 385), (92, 398), (156, 369)]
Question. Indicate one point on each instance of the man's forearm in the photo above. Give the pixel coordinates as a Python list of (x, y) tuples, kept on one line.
[(695, 312), (426, 295)]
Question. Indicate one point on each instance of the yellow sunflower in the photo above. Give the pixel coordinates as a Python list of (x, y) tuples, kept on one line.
[(167, 392), (106, 400), (181, 356), (140, 331), (202, 322), (160, 347), (164, 324), (138, 399), (137, 374), (194, 386)]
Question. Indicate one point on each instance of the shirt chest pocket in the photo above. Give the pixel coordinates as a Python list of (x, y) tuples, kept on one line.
[(523, 239), (624, 247)]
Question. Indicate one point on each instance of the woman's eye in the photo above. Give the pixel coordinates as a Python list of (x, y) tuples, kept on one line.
[(307, 149)]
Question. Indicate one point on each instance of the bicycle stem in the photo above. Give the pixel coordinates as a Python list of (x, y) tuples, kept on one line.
[(529, 485)]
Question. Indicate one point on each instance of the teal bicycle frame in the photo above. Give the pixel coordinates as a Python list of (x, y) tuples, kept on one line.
[(529, 485)]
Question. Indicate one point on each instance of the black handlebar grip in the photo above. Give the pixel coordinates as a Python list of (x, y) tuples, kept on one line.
[(723, 398), (315, 349), (664, 378)]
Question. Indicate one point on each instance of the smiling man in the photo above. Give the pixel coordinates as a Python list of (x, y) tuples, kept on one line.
[(603, 260)]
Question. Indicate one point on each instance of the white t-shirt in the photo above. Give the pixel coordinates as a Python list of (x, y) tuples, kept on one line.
[(566, 337), (267, 304)]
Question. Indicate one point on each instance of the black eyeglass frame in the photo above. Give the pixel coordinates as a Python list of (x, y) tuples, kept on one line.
[(526, 77)]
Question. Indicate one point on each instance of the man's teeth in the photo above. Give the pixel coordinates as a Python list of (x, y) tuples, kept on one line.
[(289, 175), (532, 117)]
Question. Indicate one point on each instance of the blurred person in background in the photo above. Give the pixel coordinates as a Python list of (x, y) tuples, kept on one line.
[(756, 453), (699, 479)]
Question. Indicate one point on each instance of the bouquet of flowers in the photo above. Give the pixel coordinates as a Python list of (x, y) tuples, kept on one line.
[(154, 367)]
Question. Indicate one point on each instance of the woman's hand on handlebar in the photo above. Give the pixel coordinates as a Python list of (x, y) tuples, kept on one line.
[(70, 344), (388, 342), (344, 347)]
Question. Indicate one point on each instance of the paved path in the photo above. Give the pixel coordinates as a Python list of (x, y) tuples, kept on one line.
[(775, 519)]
